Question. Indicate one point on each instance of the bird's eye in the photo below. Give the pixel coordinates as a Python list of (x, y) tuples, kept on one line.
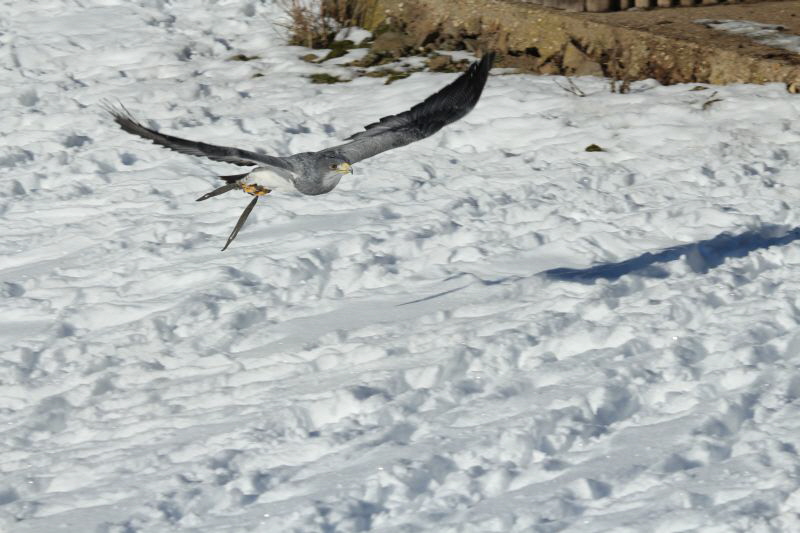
[(334, 166)]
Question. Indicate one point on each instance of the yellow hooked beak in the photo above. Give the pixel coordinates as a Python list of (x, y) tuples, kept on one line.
[(344, 168)]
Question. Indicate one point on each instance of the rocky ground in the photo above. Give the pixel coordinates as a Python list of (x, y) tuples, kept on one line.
[(668, 45)]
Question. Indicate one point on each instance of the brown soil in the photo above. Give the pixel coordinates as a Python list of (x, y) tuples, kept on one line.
[(677, 23), (664, 44)]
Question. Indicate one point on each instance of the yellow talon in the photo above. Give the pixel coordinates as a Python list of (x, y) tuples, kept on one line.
[(255, 190)]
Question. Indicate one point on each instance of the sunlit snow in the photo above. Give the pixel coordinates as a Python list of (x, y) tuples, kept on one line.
[(491, 330)]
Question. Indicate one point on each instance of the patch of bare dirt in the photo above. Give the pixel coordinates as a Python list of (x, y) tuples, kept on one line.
[(665, 44)]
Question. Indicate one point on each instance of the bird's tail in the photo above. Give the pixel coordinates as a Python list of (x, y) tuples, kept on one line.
[(231, 184), (218, 191)]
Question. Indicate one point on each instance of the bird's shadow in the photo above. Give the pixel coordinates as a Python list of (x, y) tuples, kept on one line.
[(701, 256)]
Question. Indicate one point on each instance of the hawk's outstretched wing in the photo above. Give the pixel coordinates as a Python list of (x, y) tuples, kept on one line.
[(217, 153), (424, 119)]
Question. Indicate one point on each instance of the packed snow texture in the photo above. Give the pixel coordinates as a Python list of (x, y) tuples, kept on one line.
[(769, 34), (492, 330)]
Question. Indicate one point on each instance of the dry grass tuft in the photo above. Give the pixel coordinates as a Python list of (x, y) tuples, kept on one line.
[(314, 23), (308, 24)]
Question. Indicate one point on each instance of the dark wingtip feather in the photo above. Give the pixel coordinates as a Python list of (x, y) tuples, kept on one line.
[(236, 156), (487, 60), (128, 122), (121, 115)]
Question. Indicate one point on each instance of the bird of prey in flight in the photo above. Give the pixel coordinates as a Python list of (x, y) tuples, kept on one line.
[(319, 172)]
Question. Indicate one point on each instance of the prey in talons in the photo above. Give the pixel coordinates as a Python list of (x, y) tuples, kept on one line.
[(238, 182)]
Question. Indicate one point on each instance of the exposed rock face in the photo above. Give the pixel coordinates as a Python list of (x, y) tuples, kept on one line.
[(440, 63), (576, 63), (663, 44), (392, 43)]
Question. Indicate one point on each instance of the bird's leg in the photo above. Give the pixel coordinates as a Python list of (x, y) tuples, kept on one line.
[(240, 222), (255, 190)]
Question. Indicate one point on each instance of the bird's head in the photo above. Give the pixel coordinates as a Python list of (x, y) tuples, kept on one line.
[(321, 171), (333, 165)]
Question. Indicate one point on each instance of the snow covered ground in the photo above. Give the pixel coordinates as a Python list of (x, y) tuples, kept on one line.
[(492, 330), (769, 34)]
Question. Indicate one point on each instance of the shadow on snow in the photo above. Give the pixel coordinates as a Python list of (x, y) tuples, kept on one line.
[(702, 256)]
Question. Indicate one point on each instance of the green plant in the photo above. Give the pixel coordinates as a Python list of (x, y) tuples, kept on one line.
[(324, 77)]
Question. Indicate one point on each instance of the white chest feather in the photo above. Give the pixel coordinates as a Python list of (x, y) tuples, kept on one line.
[(269, 179)]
